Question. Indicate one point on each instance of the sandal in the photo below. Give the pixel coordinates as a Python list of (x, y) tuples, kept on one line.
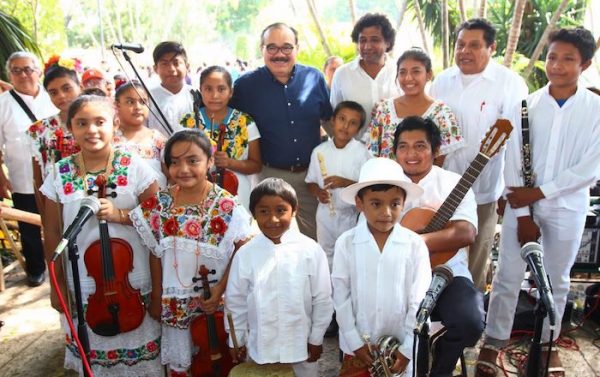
[(486, 366), (555, 369)]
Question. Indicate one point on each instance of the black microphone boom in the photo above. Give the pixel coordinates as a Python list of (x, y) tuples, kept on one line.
[(532, 253), (442, 277), (90, 205), (135, 47)]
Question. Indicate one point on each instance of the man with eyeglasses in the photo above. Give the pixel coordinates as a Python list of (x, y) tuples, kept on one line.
[(24, 74), (288, 101)]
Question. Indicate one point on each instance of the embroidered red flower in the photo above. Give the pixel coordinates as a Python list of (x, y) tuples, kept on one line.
[(112, 355), (68, 188), (150, 203), (125, 160), (171, 227), (226, 205), (152, 346), (173, 306), (218, 225), (155, 222), (121, 180), (93, 354), (192, 228)]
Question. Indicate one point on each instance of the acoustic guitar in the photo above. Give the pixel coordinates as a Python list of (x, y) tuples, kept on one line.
[(426, 220)]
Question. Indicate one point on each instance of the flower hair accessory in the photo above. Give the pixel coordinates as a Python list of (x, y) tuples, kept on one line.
[(72, 64)]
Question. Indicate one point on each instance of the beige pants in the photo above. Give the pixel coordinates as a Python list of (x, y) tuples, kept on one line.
[(307, 204), (479, 252)]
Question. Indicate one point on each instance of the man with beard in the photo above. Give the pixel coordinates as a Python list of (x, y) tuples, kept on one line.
[(288, 101)]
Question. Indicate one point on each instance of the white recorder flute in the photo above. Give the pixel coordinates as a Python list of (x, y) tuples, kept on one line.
[(324, 175)]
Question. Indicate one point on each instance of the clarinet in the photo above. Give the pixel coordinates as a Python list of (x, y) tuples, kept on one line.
[(527, 170)]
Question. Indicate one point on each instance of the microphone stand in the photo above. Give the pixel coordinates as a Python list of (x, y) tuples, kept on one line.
[(535, 350), (81, 324), (421, 362), (165, 123)]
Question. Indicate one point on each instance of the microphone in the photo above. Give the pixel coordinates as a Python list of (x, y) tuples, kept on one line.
[(532, 253), (135, 47), (442, 277), (90, 205)]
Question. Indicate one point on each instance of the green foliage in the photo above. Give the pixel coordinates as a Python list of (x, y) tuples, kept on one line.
[(13, 37), (535, 20), (315, 57), (431, 11), (536, 79), (234, 16)]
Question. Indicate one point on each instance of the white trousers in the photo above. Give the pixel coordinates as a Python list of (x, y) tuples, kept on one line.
[(306, 369), (330, 227), (561, 237)]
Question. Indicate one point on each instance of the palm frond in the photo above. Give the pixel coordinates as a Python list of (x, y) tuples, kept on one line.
[(13, 37)]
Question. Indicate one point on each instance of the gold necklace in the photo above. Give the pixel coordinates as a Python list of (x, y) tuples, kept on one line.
[(82, 170)]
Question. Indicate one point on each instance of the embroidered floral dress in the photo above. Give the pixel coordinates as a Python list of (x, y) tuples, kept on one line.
[(50, 142), (240, 131), (134, 353), (385, 120), (150, 150), (185, 238)]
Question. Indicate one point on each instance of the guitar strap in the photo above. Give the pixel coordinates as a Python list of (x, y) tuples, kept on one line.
[(23, 105)]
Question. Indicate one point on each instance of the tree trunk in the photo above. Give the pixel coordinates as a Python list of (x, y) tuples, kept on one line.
[(401, 12), (445, 33), (417, 9), (598, 43), (352, 11), (313, 13), (117, 12), (463, 11), (515, 31), (482, 8), (544, 39)]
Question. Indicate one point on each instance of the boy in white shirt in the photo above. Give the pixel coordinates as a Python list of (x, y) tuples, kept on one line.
[(381, 270), (564, 127), (279, 292), (342, 156), (173, 95)]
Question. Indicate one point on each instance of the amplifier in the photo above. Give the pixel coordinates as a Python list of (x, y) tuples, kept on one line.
[(588, 256)]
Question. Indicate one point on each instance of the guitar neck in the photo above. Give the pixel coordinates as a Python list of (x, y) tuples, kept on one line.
[(446, 210)]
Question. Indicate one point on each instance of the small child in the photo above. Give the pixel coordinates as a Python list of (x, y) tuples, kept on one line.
[(241, 149), (132, 109), (279, 292), (90, 120), (173, 95), (381, 270), (190, 224), (335, 164), (565, 150)]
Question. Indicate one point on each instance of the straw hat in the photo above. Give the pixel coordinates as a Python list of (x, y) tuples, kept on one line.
[(382, 171)]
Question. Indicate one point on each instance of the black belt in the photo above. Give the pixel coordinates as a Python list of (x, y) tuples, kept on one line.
[(292, 169)]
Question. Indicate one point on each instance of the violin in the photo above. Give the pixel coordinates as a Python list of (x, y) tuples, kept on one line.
[(223, 177), (208, 333), (115, 307)]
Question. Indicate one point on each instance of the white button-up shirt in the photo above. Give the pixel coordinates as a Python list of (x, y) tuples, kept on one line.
[(279, 297), (494, 94), (565, 152), (438, 184), (173, 106), (15, 143), (378, 293), (351, 83)]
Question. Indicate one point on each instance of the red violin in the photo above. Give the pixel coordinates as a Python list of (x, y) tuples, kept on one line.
[(115, 307), (221, 176), (209, 335)]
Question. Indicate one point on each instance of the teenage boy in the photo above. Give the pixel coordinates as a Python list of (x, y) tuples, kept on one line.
[(381, 270), (173, 95), (565, 150)]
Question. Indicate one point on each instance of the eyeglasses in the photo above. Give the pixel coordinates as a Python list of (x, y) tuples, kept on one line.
[(285, 49), (17, 71)]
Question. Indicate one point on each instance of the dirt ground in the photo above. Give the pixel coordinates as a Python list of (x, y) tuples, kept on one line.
[(31, 341)]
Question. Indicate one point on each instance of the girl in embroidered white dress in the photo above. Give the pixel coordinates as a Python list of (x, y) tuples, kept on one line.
[(241, 152), (131, 100), (50, 138), (90, 119), (190, 224)]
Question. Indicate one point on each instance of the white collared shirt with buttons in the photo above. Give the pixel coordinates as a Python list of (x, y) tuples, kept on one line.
[(351, 83), (15, 143), (378, 293), (173, 106), (565, 152), (280, 297), (492, 95)]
